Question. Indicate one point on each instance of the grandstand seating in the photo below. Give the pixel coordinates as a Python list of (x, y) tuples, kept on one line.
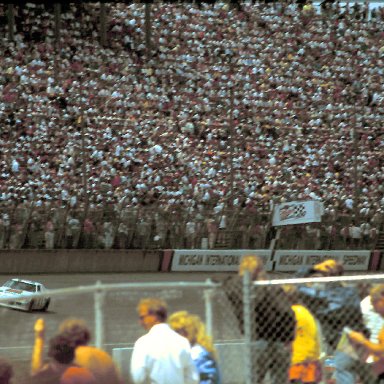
[(233, 108)]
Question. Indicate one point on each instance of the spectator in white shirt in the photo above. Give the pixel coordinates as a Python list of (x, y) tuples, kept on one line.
[(355, 234), (161, 356)]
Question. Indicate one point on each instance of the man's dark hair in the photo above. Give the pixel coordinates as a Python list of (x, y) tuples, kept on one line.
[(61, 349), (76, 330)]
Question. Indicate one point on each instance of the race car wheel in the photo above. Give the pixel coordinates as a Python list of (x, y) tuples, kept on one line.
[(31, 305), (46, 305)]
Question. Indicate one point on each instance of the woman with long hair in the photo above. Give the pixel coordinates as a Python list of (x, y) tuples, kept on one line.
[(202, 349)]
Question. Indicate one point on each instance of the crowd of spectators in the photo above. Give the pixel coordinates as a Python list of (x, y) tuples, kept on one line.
[(230, 108)]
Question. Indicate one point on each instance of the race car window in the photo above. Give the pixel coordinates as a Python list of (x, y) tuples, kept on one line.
[(20, 285)]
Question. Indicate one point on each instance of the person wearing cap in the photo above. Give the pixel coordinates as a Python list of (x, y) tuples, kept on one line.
[(335, 306)]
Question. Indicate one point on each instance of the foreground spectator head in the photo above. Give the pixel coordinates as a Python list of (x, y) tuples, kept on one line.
[(151, 311), (76, 330), (184, 325), (192, 327), (254, 265), (6, 371)]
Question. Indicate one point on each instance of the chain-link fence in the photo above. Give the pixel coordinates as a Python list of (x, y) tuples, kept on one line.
[(269, 332), (299, 330)]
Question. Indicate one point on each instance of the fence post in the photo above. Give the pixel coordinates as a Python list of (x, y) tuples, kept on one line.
[(208, 294), (247, 326), (99, 318)]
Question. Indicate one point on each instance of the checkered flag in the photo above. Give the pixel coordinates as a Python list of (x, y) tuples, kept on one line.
[(299, 211)]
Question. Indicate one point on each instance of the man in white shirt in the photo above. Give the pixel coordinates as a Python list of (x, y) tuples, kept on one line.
[(161, 356)]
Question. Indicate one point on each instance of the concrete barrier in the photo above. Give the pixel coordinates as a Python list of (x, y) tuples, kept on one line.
[(122, 358), (79, 261)]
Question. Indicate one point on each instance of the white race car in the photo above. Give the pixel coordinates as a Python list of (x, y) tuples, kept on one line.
[(16, 287)]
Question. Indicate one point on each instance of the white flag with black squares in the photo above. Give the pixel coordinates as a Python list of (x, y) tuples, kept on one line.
[(297, 212)]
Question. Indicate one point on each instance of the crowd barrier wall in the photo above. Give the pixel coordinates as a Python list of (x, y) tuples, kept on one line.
[(180, 260), (195, 260), (290, 261), (79, 261), (279, 261)]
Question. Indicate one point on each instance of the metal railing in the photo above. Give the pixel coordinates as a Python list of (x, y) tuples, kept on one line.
[(154, 228)]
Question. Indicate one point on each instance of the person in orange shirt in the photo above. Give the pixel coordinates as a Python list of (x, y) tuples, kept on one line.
[(94, 359), (61, 369)]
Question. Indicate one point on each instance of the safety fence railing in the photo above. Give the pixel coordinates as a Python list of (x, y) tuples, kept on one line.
[(268, 331)]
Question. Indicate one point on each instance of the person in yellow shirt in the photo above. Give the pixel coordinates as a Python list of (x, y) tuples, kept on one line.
[(306, 346)]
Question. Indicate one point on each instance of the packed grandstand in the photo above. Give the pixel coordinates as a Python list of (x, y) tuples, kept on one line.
[(190, 123)]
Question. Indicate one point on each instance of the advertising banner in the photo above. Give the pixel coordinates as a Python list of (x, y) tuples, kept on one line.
[(291, 261), (216, 260), (297, 212)]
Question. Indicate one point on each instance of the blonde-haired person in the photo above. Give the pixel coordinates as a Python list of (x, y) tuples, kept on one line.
[(273, 321), (202, 349), (254, 265)]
